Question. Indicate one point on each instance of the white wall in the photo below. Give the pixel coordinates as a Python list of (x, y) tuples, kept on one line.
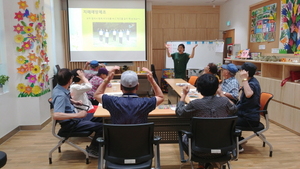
[(237, 12), (8, 109), (16, 111)]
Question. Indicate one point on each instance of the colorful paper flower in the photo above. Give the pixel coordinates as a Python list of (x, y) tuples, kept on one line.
[(32, 17), (32, 57), (37, 4), (19, 16), (18, 28), (47, 68), (26, 13), (38, 49), (22, 70), (22, 5), (39, 38), (36, 69), (31, 37), (40, 78), (19, 38), (21, 59), (47, 78), (21, 87), (36, 89), (29, 66), (28, 29), (26, 45), (32, 78), (28, 89)]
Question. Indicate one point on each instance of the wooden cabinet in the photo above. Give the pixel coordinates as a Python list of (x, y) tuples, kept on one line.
[(284, 109)]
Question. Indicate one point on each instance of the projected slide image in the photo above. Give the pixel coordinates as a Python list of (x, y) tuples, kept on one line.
[(117, 34)]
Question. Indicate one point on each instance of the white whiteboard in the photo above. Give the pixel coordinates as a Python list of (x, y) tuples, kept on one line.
[(205, 52)]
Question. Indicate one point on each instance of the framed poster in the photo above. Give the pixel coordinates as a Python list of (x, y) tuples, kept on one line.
[(263, 24)]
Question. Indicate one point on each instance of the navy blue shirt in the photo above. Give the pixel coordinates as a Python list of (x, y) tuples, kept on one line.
[(248, 107), (129, 108)]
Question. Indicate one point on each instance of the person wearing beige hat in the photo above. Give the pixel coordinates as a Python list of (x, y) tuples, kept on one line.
[(129, 108)]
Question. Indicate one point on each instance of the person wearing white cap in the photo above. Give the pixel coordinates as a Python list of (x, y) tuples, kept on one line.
[(129, 108)]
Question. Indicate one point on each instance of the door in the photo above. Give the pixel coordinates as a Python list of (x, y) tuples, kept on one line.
[(228, 37)]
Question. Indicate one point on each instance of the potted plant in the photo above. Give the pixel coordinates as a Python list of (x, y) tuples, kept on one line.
[(3, 79)]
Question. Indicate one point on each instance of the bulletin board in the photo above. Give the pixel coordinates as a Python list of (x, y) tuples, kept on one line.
[(267, 43)]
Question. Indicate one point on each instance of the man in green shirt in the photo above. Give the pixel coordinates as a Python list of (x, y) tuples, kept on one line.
[(180, 60)]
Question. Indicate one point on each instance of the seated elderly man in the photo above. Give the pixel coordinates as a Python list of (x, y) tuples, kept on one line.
[(66, 115), (230, 85), (129, 108), (210, 105)]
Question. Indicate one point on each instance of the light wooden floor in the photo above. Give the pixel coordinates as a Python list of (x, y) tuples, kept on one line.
[(29, 150)]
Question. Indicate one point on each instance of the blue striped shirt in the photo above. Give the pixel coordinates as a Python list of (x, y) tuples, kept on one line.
[(231, 86)]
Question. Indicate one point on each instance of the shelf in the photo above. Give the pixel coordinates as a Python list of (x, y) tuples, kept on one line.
[(274, 70)]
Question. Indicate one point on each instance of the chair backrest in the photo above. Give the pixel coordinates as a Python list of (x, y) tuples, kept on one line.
[(50, 102), (213, 133), (154, 74), (193, 80), (128, 143), (265, 98)]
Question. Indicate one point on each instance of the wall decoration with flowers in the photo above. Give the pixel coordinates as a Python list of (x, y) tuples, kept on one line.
[(31, 46)]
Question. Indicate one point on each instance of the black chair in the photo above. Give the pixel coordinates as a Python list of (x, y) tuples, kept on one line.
[(154, 74), (151, 92), (128, 146), (258, 131), (3, 159), (64, 136), (211, 140)]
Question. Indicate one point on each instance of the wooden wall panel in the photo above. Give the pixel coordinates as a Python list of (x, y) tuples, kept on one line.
[(201, 34), (186, 21), (201, 20), (159, 59), (163, 20), (174, 34), (191, 34), (185, 9), (158, 38), (212, 34), (212, 20)]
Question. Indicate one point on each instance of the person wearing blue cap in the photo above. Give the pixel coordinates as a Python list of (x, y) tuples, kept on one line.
[(91, 68), (230, 85)]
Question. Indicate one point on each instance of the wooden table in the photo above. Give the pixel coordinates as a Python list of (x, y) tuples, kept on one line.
[(166, 123), (175, 91)]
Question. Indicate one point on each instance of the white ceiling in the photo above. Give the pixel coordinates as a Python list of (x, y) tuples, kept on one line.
[(188, 2)]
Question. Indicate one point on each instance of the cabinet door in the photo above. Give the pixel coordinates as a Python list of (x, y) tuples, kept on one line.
[(271, 86), (297, 95), (274, 110), (288, 93), (295, 120), (291, 117)]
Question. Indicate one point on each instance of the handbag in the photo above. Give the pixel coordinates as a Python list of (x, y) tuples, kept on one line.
[(294, 75)]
